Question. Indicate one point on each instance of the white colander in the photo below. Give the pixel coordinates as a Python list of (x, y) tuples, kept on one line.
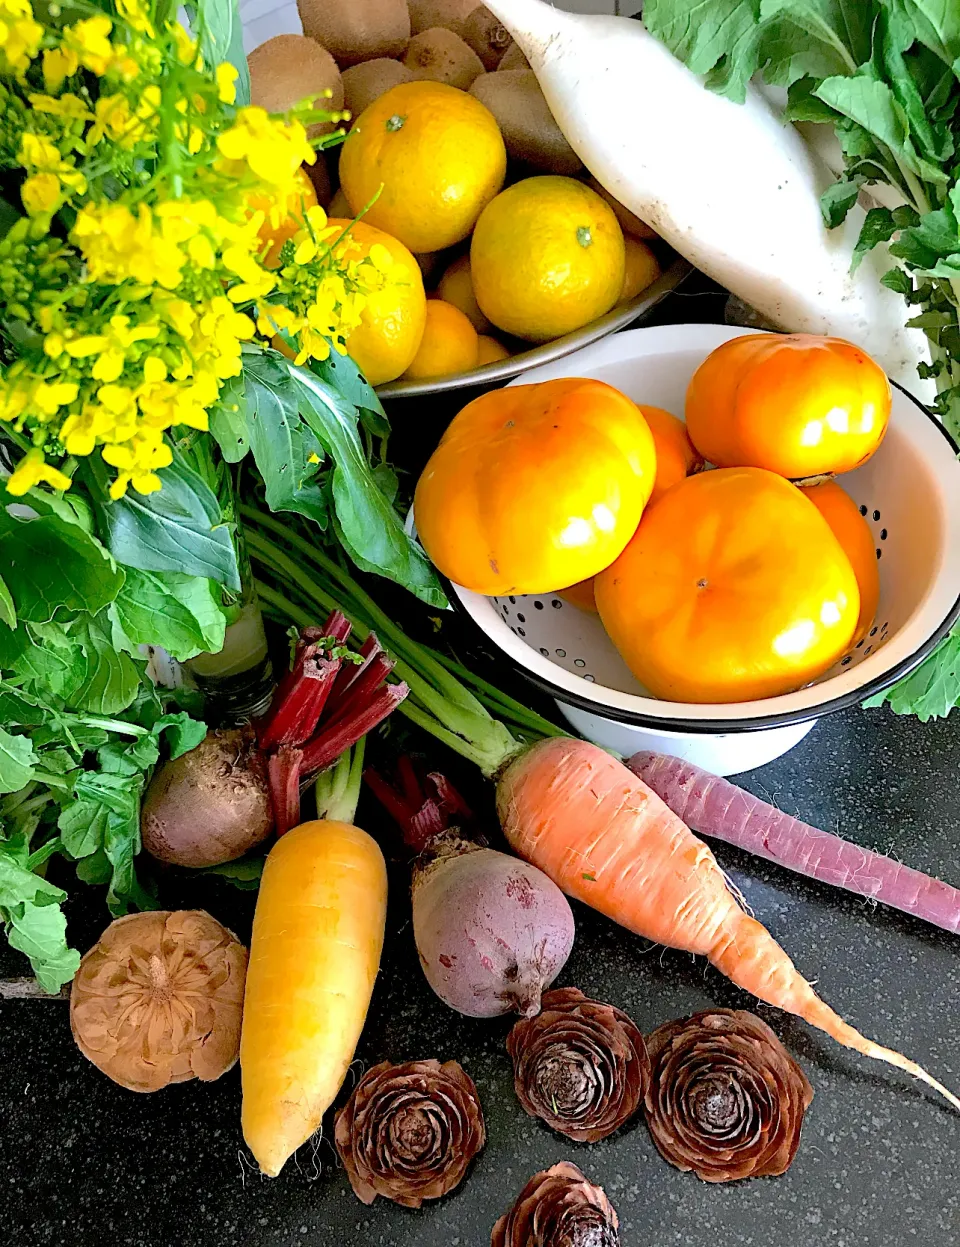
[(909, 493)]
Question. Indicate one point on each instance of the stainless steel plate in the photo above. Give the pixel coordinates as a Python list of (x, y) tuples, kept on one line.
[(490, 374)]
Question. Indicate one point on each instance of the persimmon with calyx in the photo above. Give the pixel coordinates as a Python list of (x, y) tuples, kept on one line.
[(535, 487), (733, 588), (797, 404), (676, 458), (853, 532)]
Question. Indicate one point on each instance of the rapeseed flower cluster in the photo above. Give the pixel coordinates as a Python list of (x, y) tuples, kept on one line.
[(137, 271)]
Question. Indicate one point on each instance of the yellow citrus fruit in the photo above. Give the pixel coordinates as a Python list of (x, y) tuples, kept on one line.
[(456, 287), (491, 350), (291, 219), (449, 343), (427, 158), (547, 257), (391, 325), (642, 268)]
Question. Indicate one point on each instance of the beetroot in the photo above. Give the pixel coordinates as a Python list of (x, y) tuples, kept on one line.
[(210, 805), (219, 800), (492, 931)]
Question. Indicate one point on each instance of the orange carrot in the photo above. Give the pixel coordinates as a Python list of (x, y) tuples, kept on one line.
[(608, 840)]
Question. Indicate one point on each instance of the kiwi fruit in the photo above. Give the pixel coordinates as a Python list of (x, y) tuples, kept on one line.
[(366, 82), (319, 175), (513, 58), (357, 30), (487, 35), (529, 130), (441, 56), (629, 223), (450, 14), (287, 69)]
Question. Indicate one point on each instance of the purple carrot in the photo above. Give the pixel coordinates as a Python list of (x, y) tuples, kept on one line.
[(715, 807)]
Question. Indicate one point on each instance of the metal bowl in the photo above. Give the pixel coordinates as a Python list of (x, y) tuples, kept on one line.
[(503, 369)]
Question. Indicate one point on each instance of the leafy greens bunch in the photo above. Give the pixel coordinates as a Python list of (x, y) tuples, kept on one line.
[(885, 75)]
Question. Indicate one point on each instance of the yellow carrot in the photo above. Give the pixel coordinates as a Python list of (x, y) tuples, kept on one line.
[(314, 955)]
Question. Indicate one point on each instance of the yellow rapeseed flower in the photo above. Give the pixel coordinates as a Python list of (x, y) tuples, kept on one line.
[(20, 36), (59, 64), (186, 47), (68, 106), (227, 76), (91, 42), (41, 193), (273, 150), (115, 120), (33, 470), (135, 13)]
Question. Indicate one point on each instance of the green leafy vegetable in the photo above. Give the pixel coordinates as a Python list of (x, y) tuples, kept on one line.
[(220, 31), (17, 761), (184, 610), (933, 689), (180, 528)]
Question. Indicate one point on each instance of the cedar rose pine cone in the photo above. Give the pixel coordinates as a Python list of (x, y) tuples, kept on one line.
[(725, 1098), (559, 1208), (580, 1066), (409, 1131)]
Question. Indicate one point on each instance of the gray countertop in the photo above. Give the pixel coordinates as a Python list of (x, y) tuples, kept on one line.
[(84, 1162)]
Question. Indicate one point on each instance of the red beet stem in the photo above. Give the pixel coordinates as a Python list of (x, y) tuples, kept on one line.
[(283, 774), (330, 742), (350, 670), (421, 815), (369, 678), (295, 719), (715, 807)]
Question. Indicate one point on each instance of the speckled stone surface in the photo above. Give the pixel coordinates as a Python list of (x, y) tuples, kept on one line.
[(84, 1162)]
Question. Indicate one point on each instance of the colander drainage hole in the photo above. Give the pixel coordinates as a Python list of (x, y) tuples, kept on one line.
[(863, 510), (879, 552), (844, 662), (876, 516), (538, 606), (883, 534), (578, 662), (561, 653), (544, 652), (521, 617), (556, 604), (873, 632), (860, 645), (513, 601), (520, 632), (591, 678)]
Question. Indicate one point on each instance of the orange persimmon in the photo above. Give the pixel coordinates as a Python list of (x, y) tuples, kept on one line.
[(797, 404), (535, 487), (732, 588), (853, 532), (676, 458)]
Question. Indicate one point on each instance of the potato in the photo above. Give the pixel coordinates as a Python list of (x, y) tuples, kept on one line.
[(366, 82), (487, 35), (287, 69), (513, 58), (529, 130), (441, 56), (629, 223), (357, 30), (450, 14)]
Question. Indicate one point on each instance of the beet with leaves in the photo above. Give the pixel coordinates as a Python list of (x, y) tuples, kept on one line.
[(492, 932), (218, 801)]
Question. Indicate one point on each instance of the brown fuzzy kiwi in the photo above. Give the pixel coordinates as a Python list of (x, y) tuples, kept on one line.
[(287, 69), (513, 58), (357, 30), (451, 14), (366, 82), (319, 175), (439, 55), (487, 35), (629, 223), (529, 130)]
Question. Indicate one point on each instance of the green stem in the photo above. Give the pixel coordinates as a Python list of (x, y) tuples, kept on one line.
[(113, 725), (338, 789)]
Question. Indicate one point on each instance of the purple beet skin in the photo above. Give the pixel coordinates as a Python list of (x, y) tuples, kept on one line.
[(492, 932)]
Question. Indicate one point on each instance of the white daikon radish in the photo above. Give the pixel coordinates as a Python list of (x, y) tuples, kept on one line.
[(730, 186)]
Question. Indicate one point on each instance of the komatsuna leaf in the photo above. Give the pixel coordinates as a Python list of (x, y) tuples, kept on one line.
[(370, 527), (932, 690), (179, 528), (283, 445), (184, 733), (343, 374), (937, 23), (228, 420), (17, 761), (181, 613), (217, 25), (35, 923), (8, 612), (51, 566), (108, 679)]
